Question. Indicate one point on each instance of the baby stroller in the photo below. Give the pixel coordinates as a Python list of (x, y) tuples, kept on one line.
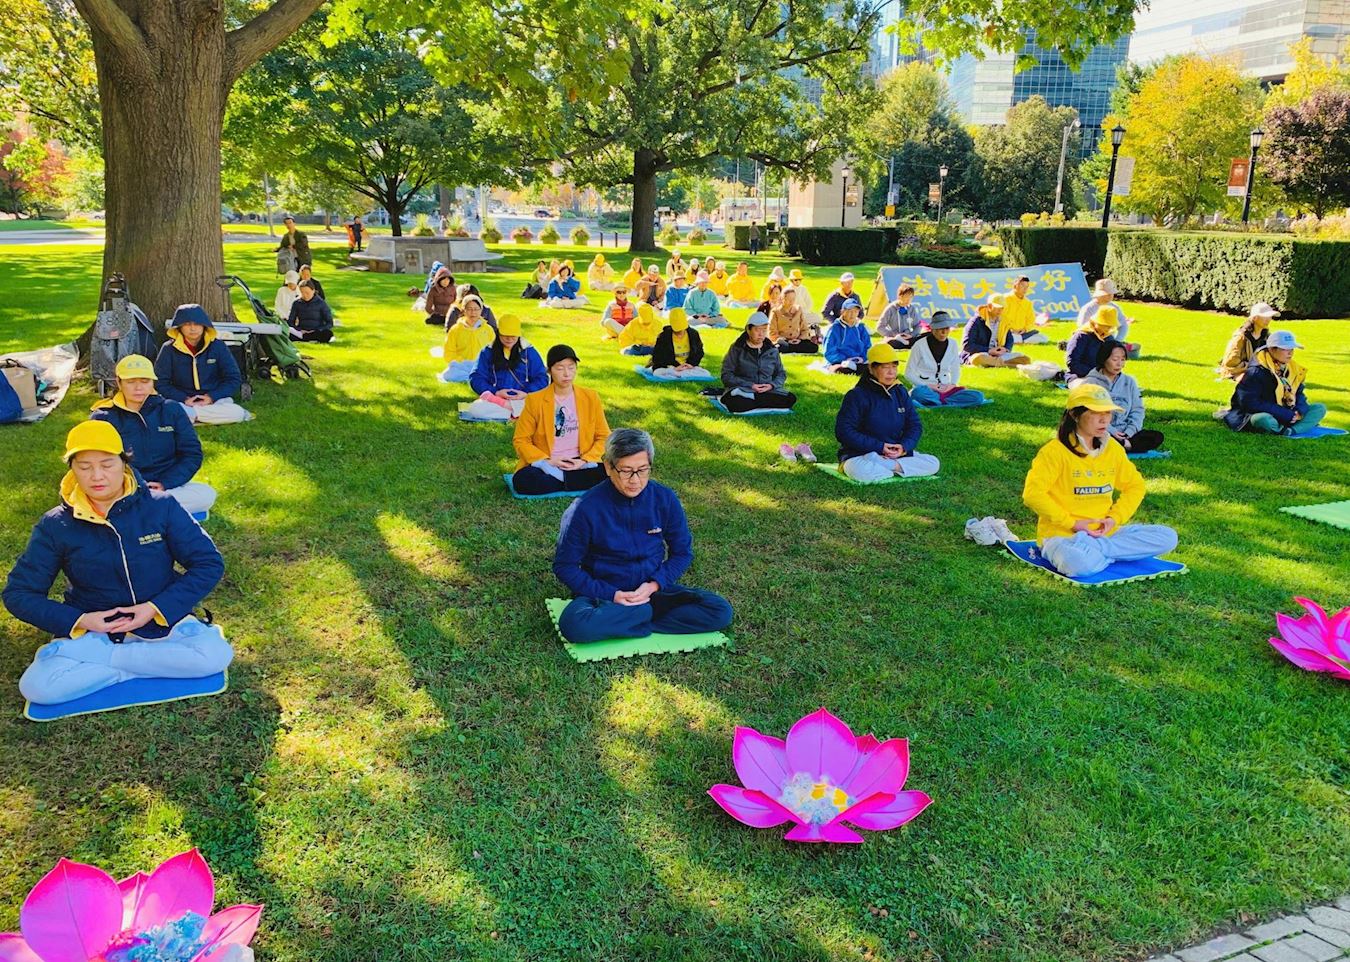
[(267, 353)]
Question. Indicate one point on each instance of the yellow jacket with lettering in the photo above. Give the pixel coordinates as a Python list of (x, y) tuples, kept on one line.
[(1063, 488)]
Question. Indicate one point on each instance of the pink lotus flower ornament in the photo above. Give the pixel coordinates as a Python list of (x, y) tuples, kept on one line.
[(821, 777), (79, 913), (1315, 641)]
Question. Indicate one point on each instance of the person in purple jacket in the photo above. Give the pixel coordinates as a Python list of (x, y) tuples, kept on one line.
[(622, 549), (127, 608)]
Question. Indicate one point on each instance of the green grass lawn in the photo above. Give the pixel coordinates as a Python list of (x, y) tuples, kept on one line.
[(408, 766), (38, 224)]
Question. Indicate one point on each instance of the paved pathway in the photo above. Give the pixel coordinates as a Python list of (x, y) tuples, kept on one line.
[(1318, 935)]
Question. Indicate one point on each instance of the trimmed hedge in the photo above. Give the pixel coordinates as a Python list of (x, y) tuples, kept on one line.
[(1028, 246), (1231, 272), (835, 246)]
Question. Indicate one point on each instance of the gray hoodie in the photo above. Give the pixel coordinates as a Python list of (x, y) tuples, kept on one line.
[(1125, 392)]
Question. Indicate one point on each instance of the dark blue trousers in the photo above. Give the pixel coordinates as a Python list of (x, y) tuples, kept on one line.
[(675, 611)]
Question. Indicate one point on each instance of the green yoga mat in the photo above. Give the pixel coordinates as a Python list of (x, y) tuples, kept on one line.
[(833, 471), (630, 647), (1336, 513)]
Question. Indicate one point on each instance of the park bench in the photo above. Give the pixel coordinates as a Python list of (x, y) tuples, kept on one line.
[(378, 255), (470, 256)]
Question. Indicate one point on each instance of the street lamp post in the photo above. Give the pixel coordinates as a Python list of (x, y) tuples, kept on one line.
[(1063, 157), (1257, 136), (942, 185), (843, 198), (1117, 135)]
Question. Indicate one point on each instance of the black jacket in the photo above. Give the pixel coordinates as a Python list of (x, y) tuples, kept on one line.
[(663, 353)]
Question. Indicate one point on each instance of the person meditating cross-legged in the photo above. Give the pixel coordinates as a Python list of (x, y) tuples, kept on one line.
[(127, 611), (623, 547), (560, 435), (934, 367), (311, 318), (1246, 341), (599, 275), (1270, 398), (788, 327), (847, 341), (1071, 487), (565, 290), (1127, 423), (618, 313), (196, 369), (985, 343), (161, 440), (752, 371), (878, 426), (638, 338), (508, 369), (465, 340), (702, 305), (678, 352)]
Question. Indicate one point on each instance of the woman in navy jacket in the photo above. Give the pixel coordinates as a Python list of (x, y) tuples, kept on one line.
[(878, 426), (157, 434), (127, 611), (197, 370)]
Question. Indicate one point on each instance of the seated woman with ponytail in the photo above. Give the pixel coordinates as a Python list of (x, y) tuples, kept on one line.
[(1084, 490), (565, 290), (127, 608), (508, 369), (560, 435), (1270, 399)]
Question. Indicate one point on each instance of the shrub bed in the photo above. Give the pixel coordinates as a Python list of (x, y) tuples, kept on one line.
[(948, 257), (1028, 246), (834, 246), (1302, 278)]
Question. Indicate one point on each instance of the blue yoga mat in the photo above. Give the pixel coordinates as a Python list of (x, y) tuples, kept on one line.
[(1150, 455), (1318, 432), (1114, 573), (127, 694), (950, 407), (530, 497), (717, 403), (647, 373), (200, 516)]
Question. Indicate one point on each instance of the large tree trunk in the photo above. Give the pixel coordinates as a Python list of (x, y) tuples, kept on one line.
[(161, 148), (644, 201), (165, 69)]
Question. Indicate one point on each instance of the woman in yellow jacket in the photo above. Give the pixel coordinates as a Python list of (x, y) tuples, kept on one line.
[(1073, 484), (560, 434), (465, 340), (639, 335), (634, 274), (718, 279), (740, 288)]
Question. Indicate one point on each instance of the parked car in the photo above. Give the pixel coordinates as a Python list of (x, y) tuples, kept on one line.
[(542, 212)]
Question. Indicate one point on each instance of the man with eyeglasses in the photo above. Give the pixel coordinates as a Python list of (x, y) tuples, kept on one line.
[(622, 549)]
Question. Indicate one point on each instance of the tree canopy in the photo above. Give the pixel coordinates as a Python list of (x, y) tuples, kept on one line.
[(1307, 150), (1017, 163)]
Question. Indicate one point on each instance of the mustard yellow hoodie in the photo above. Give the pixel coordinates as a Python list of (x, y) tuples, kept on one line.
[(464, 343), (739, 287), (641, 331), (1063, 488)]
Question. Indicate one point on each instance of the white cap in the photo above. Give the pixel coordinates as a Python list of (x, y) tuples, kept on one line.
[(846, 276), (1105, 286), (1262, 309)]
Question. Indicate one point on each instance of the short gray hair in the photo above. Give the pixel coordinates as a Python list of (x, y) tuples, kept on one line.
[(626, 442)]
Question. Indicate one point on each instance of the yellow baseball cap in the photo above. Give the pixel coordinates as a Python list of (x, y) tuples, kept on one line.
[(508, 324), (1094, 397), (1107, 316), (679, 320), (93, 436), (135, 365), (882, 353)]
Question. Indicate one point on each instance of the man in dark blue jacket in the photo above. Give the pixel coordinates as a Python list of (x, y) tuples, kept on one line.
[(622, 549), (1270, 398), (878, 426), (158, 435), (127, 609), (196, 369)]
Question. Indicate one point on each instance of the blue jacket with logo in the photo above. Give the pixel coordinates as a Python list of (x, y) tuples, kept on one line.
[(160, 438), (179, 373), (528, 374), (871, 416), (115, 562), (610, 542)]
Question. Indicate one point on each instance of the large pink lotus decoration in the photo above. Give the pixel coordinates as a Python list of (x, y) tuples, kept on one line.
[(1316, 642), (79, 913), (821, 777)]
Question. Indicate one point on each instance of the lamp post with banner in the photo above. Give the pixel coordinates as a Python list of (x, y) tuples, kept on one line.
[(1257, 136)]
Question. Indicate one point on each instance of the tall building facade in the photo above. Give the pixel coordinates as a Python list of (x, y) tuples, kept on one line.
[(1257, 33), (985, 89)]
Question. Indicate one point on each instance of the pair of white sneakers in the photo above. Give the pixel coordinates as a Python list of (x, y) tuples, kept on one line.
[(989, 531)]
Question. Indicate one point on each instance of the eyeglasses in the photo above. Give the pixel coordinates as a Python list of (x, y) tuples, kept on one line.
[(632, 474)]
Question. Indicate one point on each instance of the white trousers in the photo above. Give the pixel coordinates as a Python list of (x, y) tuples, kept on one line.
[(873, 467), (1031, 337), (1083, 554), (191, 650), (194, 496), (611, 325), (220, 411), (670, 374), (577, 301)]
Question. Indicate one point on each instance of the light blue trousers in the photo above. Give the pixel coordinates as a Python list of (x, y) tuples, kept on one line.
[(1083, 554)]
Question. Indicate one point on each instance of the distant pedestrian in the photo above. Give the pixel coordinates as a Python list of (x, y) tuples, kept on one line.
[(296, 242), (356, 234), (754, 238)]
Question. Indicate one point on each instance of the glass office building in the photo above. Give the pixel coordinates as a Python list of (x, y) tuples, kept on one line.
[(1258, 33), (985, 89)]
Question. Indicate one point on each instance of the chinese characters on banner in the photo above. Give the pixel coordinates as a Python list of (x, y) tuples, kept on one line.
[(1056, 289)]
